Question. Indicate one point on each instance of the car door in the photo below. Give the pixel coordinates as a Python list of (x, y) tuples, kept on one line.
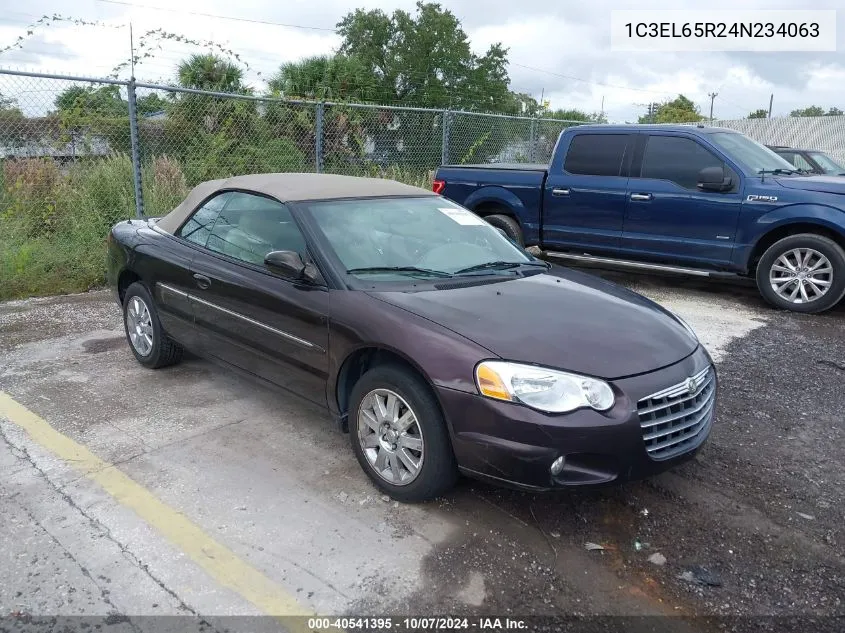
[(251, 317), (668, 217), (170, 271), (584, 199)]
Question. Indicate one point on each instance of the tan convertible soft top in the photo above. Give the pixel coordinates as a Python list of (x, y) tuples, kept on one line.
[(291, 188)]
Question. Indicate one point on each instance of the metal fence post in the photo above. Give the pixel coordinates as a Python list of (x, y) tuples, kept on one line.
[(318, 138), (447, 130), (532, 135), (136, 149)]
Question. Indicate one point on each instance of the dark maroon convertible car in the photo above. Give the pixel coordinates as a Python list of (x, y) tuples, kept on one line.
[(440, 345)]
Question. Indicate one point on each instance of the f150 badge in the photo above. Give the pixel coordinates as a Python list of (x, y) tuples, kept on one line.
[(755, 198)]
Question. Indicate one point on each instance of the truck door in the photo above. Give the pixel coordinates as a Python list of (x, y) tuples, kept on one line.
[(668, 217), (584, 196)]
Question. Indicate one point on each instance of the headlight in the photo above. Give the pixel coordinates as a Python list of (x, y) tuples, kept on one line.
[(687, 326), (545, 389)]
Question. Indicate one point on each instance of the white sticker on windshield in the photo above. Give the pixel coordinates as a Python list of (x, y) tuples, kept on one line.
[(462, 216)]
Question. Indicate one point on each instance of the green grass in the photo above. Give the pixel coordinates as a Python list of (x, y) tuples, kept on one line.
[(54, 223)]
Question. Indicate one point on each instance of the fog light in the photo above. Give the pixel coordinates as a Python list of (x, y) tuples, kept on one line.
[(557, 465)]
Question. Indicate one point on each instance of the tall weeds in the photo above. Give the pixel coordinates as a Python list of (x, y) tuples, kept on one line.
[(54, 219)]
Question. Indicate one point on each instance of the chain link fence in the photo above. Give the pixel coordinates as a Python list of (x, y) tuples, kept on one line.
[(822, 133), (78, 154)]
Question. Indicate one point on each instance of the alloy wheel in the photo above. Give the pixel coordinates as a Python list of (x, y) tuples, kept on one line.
[(801, 275), (139, 325), (390, 436)]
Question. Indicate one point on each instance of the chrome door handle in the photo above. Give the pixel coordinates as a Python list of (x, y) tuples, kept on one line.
[(560, 192), (641, 196)]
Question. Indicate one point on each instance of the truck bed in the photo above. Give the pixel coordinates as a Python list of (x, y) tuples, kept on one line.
[(541, 167)]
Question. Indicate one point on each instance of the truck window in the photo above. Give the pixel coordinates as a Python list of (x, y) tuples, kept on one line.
[(596, 154), (677, 159), (796, 159)]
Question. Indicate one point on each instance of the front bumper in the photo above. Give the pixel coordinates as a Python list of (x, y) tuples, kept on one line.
[(515, 445)]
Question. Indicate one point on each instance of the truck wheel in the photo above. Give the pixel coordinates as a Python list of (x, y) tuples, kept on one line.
[(508, 225), (802, 273)]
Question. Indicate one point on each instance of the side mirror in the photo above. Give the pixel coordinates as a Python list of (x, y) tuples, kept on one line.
[(714, 179), (290, 265)]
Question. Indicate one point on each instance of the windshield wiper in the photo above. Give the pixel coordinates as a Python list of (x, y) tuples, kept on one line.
[(398, 269), (499, 265), (777, 172)]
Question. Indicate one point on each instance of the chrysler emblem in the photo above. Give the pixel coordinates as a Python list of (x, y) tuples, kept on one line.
[(692, 385)]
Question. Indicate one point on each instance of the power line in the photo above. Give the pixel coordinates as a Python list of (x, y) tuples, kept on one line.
[(220, 17), (588, 81)]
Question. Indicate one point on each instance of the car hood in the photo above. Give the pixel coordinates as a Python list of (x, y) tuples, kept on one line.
[(825, 184), (564, 319)]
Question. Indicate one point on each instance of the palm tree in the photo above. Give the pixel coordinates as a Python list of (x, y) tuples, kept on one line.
[(210, 72)]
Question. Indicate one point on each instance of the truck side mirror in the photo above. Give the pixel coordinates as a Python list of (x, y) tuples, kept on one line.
[(715, 179)]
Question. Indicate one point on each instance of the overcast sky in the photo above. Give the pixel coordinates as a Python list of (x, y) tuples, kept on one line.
[(557, 48)]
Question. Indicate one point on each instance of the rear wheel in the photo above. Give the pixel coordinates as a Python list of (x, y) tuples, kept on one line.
[(147, 340), (508, 225), (802, 273), (399, 435)]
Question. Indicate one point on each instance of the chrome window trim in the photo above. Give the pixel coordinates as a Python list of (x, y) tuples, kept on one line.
[(238, 315)]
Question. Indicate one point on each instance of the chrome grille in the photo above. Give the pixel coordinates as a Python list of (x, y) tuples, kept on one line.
[(673, 420)]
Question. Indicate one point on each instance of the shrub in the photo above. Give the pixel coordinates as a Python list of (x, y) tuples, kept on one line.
[(30, 186)]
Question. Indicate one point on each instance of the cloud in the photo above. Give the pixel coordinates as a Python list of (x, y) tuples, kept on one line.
[(561, 50)]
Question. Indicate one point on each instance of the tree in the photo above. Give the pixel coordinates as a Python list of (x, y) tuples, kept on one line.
[(761, 113), (88, 100), (324, 78), (149, 104), (810, 111), (678, 110), (13, 128), (834, 112), (213, 73), (425, 60), (192, 115), (574, 114)]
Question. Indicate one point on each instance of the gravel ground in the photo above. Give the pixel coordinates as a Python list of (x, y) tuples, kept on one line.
[(749, 532)]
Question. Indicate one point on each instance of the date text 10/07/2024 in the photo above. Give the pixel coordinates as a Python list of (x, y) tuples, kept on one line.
[(439, 623)]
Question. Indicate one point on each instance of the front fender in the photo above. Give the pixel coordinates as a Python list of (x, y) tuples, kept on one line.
[(822, 215)]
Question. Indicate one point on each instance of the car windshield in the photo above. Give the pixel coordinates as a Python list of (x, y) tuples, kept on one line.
[(750, 154), (828, 164), (427, 237)]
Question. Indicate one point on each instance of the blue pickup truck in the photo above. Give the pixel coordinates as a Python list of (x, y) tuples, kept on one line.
[(695, 199)]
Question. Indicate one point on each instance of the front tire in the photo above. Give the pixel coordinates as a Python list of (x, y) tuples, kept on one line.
[(147, 340), (399, 435), (802, 273)]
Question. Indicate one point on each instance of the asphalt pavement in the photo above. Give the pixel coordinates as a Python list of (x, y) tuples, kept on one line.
[(191, 491)]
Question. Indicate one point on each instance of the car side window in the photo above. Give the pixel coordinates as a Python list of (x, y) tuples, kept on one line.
[(596, 154), (199, 225), (801, 163), (677, 159), (250, 226)]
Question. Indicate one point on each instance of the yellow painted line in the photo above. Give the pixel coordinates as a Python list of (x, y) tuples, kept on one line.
[(218, 561)]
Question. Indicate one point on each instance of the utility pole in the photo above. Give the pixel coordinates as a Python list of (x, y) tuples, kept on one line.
[(712, 96), (771, 98)]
